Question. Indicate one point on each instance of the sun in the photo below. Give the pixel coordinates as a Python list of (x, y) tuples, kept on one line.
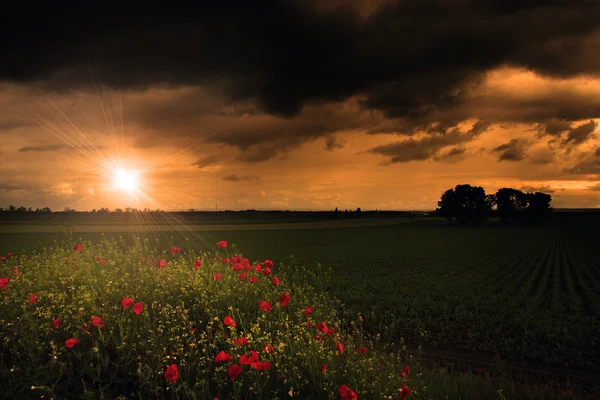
[(126, 180)]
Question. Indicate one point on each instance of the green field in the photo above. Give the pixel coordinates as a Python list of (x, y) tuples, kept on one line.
[(517, 293)]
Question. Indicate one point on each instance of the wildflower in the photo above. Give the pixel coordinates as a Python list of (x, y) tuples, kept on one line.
[(322, 327), (268, 263), (138, 308), (175, 249), (308, 311), (361, 350), (267, 271), (247, 360), (32, 299), (237, 267), (78, 247), (15, 271), (262, 366), (127, 302), (284, 299), (162, 263), (347, 393), (217, 277), (240, 341), (172, 373), (198, 263), (275, 281), (257, 268), (97, 321), (222, 244), (9, 255), (4, 283), (225, 260), (339, 347), (252, 279), (267, 348), (234, 371), (243, 276), (405, 392), (236, 259), (56, 323), (264, 305), (324, 368), (85, 327), (229, 321), (222, 357), (406, 369), (70, 343)]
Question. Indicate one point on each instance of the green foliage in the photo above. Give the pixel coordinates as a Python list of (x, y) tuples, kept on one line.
[(181, 323)]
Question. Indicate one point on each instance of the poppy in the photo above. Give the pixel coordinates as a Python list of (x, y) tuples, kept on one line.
[(322, 327), (339, 347), (252, 358), (97, 321), (138, 308), (172, 373), (78, 247), (217, 277), (324, 368), (362, 350), (70, 343), (347, 393), (229, 321), (268, 263), (237, 267), (127, 302), (406, 369), (405, 392), (262, 366), (284, 299), (198, 263), (234, 371), (275, 281), (32, 299), (243, 276), (252, 279), (175, 249), (267, 271), (4, 283), (257, 268), (308, 311), (267, 348), (162, 263), (222, 244), (222, 357), (264, 305), (240, 341), (56, 323)]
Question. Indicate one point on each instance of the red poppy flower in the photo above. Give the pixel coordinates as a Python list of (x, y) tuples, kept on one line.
[(85, 327), (32, 299), (15, 271), (138, 308), (78, 247), (175, 249), (2, 258), (339, 347), (127, 302), (347, 393), (252, 279), (252, 358), (318, 338), (217, 277), (222, 357), (246, 264), (56, 323), (243, 276), (236, 259), (362, 350), (144, 259), (308, 311), (284, 299), (234, 371), (406, 369), (172, 373), (198, 263), (268, 263), (267, 271), (405, 392), (237, 267), (229, 321), (240, 341), (324, 368), (275, 281), (225, 260), (102, 261), (264, 305), (222, 244), (403, 375), (262, 366), (322, 327), (4, 283), (257, 268), (162, 263), (267, 348), (9, 255), (97, 321), (70, 343)]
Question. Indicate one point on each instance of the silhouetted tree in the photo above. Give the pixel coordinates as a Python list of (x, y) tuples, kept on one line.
[(465, 203), (357, 212), (538, 207)]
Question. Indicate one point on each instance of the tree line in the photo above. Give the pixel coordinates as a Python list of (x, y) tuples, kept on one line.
[(467, 203)]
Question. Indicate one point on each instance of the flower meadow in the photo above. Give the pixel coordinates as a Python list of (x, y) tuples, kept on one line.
[(108, 321)]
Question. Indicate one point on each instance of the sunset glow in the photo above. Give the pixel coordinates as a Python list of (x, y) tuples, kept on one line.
[(126, 180)]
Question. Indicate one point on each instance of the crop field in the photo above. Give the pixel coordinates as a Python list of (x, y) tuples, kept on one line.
[(515, 293)]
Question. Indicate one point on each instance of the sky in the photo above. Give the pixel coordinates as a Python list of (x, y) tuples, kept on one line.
[(285, 104)]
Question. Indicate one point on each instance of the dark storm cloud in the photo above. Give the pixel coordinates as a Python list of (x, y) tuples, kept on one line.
[(208, 160), (455, 154), (10, 187), (51, 147), (409, 59), (238, 178), (556, 126), (332, 143), (511, 151), (582, 133)]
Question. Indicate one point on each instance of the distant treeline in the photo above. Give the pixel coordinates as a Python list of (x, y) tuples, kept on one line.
[(468, 203)]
